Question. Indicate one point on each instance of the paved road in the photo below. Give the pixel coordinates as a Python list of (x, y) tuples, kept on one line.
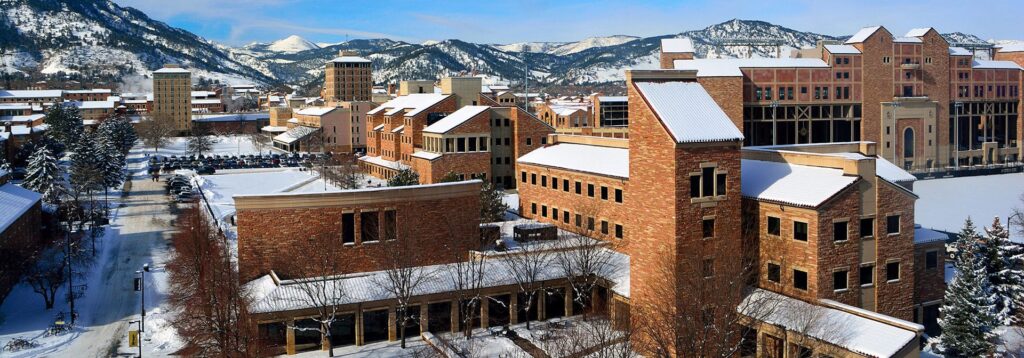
[(143, 224)]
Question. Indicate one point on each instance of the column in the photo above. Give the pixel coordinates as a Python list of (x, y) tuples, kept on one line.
[(513, 308), (484, 311), (455, 316), (289, 337), (568, 301), (542, 313), (424, 318), (359, 325), (392, 324)]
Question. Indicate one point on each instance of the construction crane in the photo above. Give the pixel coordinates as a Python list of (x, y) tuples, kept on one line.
[(974, 47)]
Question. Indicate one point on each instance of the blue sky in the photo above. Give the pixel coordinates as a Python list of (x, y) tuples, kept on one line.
[(238, 22)]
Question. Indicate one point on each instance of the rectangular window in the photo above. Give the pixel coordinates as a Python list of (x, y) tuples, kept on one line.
[(867, 227), (554, 183), (579, 188), (533, 178), (618, 231), (590, 190), (774, 226), (390, 225), (839, 231), (565, 216), (618, 195), (348, 228), (529, 141), (604, 193), (544, 211), (707, 185), (590, 223), (708, 266), (774, 273), (720, 184), (533, 208), (867, 275), (579, 220), (369, 226), (799, 231), (892, 271), (695, 186), (892, 224), (554, 214), (839, 280), (931, 259), (799, 279), (565, 185), (708, 228), (544, 180), (604, 227)]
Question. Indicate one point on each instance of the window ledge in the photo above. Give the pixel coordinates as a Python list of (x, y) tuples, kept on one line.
[(348, 244), (867, 285), (844, 290), (893, 281), (841, 242), (370, 242)]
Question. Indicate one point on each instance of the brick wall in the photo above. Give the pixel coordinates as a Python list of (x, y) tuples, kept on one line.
[(557, 198), (895, 298), (467, 164), (727, 92), (877, 86), (19, 241), (268, 239), (929, 283), (525, 125)]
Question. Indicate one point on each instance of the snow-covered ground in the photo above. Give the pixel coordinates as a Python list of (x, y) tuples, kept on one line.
[(414, 347), (946, 203), (229, 144)]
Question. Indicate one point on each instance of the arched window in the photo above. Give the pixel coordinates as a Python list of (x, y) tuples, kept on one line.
[(908, 143)]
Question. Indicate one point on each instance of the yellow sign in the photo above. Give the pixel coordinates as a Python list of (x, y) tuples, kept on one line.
[(133, 338)]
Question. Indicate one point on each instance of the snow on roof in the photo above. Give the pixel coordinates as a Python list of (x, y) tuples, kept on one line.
[(14, 202), (1000, 65), (1012, 47), (677, 45), (455, 119), (923, 236), (383, 162), (613, 98), (906, 39), (426, 155), (688, 112), (864, 333), (274, 129), (398, 129), (89, 91), (287, 295), (883, 168), (414, 103), (731, 67), (352, 59), (918, 32), (230, 117), (30, 93), (792, 184), (842, 49), (315, 111), (91, 104), (862, 35), (22, 119), (200, 94), (294, 134), (959, 51), (206, 101), (592, 159), (172, 70), (565, 110), (378, 127), (15, 106)]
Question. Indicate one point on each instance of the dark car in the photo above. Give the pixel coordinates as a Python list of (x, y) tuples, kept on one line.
[(206, 170)]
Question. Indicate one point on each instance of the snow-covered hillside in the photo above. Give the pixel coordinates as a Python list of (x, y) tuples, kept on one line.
[(292, 44)]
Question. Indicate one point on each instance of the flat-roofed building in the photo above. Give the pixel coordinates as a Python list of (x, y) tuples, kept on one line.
[(348, 77), (172, 95)]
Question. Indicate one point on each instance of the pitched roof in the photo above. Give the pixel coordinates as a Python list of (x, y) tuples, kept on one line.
[(923, 236), (315, 111), (294, 134), (792, 184), (1001, 65), (414, 103), (842, 49), (591, 159), (455, 119), (14, 202), (688, 112), (677, 45), (862, 35), (919, 32)]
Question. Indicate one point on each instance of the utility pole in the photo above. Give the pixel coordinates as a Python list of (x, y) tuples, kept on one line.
[(67, 256)]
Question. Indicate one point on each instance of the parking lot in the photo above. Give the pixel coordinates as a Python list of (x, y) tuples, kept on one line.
[(209, 164)]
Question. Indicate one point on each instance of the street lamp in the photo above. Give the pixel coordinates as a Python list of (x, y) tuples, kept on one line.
[(141, 287)]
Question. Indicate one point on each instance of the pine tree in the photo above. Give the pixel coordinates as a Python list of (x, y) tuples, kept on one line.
[(65, 124), (404, 177), (492, 204), (120, 132), (968, 313), (1001, 259), (86, 172), (45, 176), (968, 235)]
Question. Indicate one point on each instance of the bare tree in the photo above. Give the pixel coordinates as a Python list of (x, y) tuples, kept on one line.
[(403, 275), (817, 330), (258, 140), (155, 130), (200, 140), (466, 279), (47, 275), (589, 338), (526, 264), (581, 258), (319, 286)]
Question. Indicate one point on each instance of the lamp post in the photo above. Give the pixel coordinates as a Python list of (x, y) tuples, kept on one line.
[(140, 335), (142, 289), (957, 106)]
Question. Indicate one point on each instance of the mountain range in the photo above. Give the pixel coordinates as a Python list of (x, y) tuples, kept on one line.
[(100, 38)]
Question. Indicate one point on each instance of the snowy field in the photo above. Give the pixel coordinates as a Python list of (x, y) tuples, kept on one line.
[(230, 145), (945, 203)]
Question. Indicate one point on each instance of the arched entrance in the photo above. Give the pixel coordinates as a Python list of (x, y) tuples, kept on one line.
[(908, 142)]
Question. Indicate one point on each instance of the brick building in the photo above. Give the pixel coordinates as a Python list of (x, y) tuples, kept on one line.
[(20, 230), (348, 78), (172, 95), (481, 139), (926, 103)]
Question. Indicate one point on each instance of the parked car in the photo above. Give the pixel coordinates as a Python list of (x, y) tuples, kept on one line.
[(183, 197), (206, 170)]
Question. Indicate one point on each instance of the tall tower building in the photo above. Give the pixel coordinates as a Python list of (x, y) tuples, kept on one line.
[(348, 78), (172, 95)]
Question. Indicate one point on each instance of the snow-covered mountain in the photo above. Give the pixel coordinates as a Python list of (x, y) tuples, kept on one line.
[(99, 39), (292, 44)]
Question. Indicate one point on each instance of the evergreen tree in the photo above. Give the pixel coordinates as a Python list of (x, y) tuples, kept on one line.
[(120, 132), (86, 169), (45, 176), (405, 177), (1002, 264), (449, 177), (968, 313), (492, 204), (968, 236), (65, 124)]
